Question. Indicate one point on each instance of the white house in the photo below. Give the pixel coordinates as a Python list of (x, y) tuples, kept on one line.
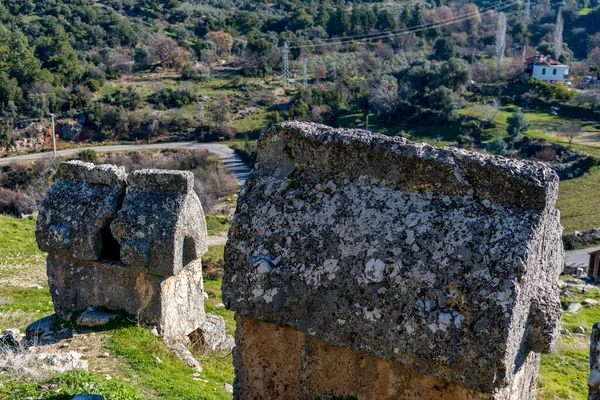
[(546, 68)]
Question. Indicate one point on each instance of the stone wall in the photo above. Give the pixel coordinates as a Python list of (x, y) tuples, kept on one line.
[(391, 262), (126, 242)]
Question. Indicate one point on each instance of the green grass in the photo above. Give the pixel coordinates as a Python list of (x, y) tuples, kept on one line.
[(579, 203), (216, 224), (170, 379), (213, 288), (214, 252), (17, 237), (563, 374), (65, 386)]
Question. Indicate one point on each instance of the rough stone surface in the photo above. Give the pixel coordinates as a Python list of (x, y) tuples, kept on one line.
[(130, 243), (40, 327), (70, 130), (574, 307), (175, 304), (273, 362), (594, 378), (93, 318), (39, 364), (212, 335), (439, 259), (173, 234), (86, 396), (74, 215)]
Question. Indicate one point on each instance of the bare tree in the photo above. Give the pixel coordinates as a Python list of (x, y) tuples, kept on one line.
[(558, 35), (570, 132), (167, 52), (383, 95), (500, 41)]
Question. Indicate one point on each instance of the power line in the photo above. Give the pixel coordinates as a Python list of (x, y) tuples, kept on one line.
[(305, 71), (285, 72), (419, 28), (379, 35)]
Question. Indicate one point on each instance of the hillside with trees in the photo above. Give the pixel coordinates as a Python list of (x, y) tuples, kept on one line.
[(450, 73)]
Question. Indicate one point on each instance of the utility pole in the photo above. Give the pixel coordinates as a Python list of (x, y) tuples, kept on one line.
[(285, 72), (53, 136), (305, 70)]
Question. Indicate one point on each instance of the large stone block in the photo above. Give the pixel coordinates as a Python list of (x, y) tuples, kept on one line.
[(274, 362), (174, 304), (439, 259), (77, 210), (161, 226)]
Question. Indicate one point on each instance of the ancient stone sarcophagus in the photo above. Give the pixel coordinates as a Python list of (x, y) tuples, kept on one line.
[(369, 266), (125, 242)]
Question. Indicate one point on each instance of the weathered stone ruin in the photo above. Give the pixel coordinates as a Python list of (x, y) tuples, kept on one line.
[(369, 266), (126, 242), (594, 378)]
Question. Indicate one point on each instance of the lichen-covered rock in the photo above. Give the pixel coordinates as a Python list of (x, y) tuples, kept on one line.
[(161, 226), (594, 378), (174, 304), (440, 259), (212, 335), (77, 210)]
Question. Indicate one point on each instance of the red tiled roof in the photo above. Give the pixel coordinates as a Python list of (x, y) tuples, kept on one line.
[(542, 61)]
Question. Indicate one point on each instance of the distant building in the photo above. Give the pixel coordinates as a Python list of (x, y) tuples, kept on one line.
[(546, 68), (594, 265)]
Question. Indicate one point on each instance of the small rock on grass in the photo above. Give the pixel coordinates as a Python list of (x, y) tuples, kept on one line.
[(86, 396), (158, 360), (590, 302), (93, 318), (40, 327), (228, 388), (154, 331), (574, 307), (580, 330)]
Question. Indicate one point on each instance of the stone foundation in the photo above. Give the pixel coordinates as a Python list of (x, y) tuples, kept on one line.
[(282, 363), (174, 304)]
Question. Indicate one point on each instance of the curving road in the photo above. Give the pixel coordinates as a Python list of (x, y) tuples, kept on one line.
[(232, 161)]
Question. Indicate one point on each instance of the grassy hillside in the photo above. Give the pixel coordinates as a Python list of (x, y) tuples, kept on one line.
[(579, 202)]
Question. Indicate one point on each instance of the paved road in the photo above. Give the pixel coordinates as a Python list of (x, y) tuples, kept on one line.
[(579, 256), (232, 161)]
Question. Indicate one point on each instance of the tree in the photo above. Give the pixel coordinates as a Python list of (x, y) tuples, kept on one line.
[(383, 95), (497, 146), (443, 49), (455, 74), (500, 41), (446, 101), (558, 35), (517, 124), (220, 111), (223, 40), (143, 58), (570, 132), (168, 52)]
